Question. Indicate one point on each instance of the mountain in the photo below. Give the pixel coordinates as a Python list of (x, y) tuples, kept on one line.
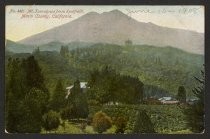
[(116, 27)]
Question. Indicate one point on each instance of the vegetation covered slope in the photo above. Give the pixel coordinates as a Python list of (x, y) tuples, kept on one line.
[(162, 67)]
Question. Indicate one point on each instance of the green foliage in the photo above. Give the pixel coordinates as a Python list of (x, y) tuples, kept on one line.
[(181, 95), (108, 86), (77, 102), (120, 123), (32, 109), (64, 51), (101, 122), (151, 91), (58, 98), (166, 118), (26, 96), (34, 76), (164, 67), (69, 112), (143, 123), (36, 51), (51, 120), (195, 113)]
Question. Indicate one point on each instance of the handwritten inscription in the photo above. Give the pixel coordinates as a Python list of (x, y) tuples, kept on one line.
[(45, 14), (182, 10)]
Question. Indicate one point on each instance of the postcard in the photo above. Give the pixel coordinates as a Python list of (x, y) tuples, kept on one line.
[(104, 69)]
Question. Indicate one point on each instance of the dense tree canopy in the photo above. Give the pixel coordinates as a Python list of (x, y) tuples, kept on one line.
[(26, 96), (108, 86)]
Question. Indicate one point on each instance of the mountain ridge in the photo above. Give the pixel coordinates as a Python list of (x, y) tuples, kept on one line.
[(116, 27)]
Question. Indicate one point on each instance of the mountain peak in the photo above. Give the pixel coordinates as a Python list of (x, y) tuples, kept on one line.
[(114, 12), (92, 13)]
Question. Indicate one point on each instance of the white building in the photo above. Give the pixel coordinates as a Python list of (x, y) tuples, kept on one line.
[(83, 85), (168, 100)]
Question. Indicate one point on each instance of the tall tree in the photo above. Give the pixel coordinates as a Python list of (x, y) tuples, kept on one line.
[(143, 123), (181, 95), (77, 100), (32, 108), (14, 94), (195, 112), (64, 51), (26, 96), (58, 100)]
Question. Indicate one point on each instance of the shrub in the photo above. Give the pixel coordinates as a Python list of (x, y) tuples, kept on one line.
[(101, 122), (120, 123), (51, 120)]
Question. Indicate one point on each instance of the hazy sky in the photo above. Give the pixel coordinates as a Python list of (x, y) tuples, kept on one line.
[(41, 18)]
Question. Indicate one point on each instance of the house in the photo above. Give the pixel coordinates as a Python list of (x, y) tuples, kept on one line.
[(110, 103), (168, 100), (192, 101), (83, 86), (152, 101)]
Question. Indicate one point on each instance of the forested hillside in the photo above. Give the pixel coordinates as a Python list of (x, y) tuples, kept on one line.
[(165, 68)]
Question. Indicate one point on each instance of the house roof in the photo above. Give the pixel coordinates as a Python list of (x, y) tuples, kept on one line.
[(70, 87), (82, 85), (165, 98)]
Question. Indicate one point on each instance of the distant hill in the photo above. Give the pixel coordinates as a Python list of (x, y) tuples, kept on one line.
[(51, 46), (165, 68), (116, 27)]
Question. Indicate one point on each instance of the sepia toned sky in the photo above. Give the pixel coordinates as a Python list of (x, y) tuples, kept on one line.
[(18, 28)]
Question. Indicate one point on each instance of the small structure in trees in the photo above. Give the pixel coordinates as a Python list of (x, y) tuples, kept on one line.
[(128, 42), (168, 100), (83, 86)]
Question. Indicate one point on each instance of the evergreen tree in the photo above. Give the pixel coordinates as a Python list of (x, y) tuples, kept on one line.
[(36, 51), (64, 51), (78, 101), (26, 96), (143, 123), (13, 95), (181, 95), (34, 76), (32, 110), (58, 98), (195, 112), (35, 79), (106, 85)]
